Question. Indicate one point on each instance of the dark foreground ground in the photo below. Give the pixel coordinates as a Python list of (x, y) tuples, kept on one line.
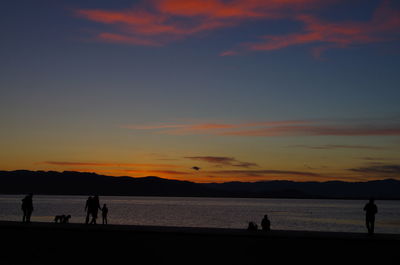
[(45, 243)]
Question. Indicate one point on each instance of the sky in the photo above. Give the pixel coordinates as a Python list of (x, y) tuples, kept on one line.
[(202, 90)]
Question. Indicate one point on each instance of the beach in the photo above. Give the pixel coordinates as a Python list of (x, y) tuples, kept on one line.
[(50, 243)]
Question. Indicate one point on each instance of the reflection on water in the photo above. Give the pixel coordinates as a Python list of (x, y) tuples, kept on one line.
[(285, 214)]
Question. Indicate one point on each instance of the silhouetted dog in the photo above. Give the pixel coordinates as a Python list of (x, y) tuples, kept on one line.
[(62, 219)]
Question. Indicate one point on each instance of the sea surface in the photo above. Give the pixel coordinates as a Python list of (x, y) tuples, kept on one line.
[(284, 214)]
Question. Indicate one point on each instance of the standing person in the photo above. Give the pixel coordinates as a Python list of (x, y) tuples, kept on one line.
[(27, 208), (266, 223), (88, 208), (104, 213), (95, 207), (370, 210)]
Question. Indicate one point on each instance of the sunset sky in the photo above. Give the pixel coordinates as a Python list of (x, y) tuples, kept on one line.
[(202, 90)]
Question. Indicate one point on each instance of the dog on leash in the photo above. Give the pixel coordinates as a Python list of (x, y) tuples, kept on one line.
[(62, 219)]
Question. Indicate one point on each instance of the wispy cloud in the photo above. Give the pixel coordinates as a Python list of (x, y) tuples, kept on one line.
[(161, 21), (223, 161), (338, 146), (158, 22), (379, 169), (382, 27), (156, 172), (266, 173), (99, 164), (283, 128)]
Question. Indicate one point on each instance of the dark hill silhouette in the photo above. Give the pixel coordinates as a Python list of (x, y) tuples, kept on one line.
[(78, 183), (384, 189)]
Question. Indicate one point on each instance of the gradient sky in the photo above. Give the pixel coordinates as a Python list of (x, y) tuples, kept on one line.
[(202, 90)]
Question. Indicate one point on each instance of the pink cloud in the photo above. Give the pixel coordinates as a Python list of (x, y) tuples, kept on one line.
[(158, 22), (342, 34), (164, 21), (279, 128)]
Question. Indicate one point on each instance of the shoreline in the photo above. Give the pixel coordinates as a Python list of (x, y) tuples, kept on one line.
[(200, 230), (216, 197), (50, 243)]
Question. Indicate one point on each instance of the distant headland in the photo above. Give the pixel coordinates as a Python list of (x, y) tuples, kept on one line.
[(80, 183)]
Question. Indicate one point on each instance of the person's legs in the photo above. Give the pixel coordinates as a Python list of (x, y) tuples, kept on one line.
[(24, 216), (372, 225), (28, 216), (367, 224), (87, 217), (94, 217)]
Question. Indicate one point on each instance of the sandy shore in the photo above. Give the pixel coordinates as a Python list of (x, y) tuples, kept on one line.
[(49, 243)]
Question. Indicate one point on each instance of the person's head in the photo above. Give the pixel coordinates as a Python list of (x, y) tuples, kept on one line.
[(104, 205), (30, 194), (371, 200), (266, 216)]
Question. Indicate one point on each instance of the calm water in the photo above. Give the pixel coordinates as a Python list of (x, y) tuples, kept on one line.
[(285, 214)]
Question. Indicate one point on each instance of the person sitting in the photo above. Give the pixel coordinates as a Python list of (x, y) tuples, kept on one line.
[(252, 226), (266, 223)]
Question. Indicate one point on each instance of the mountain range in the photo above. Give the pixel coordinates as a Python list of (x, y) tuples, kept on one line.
[(79, 183)]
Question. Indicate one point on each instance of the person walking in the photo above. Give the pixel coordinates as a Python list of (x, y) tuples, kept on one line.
[(27, 208), (370, 210), (94, 209), (104, 213), (88, 208)]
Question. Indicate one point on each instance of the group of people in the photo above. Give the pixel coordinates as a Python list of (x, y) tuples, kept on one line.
[(265, 225), (92, 208), (370, 211)]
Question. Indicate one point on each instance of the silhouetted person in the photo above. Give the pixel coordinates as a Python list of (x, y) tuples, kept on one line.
[(94, 208), (27, 208), (88, 208), (104, 213), (266, 223), (370, 211)]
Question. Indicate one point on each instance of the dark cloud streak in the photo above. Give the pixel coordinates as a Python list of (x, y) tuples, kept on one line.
[(223, 161)]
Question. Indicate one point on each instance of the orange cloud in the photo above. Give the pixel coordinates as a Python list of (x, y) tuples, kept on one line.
[(156, 172), (95, 164)]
